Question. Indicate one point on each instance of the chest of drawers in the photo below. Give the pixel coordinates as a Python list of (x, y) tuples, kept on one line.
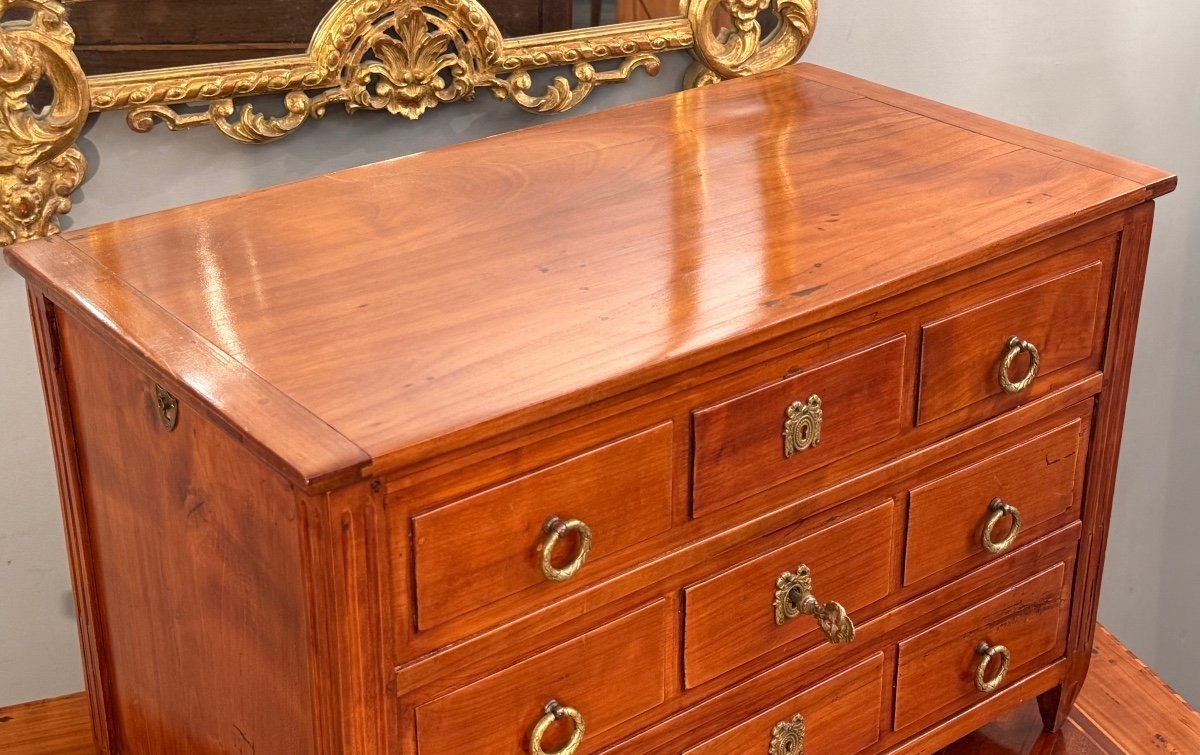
[(779, 416)]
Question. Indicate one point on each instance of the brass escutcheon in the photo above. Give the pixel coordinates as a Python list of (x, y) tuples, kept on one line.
[(999, 510), (793, 597), (168, 407), (556, 528), (1014, 347), (787, 738), (802, 428), (988, 652), (553, 712)]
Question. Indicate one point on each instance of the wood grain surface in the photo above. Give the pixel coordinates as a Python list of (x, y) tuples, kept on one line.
[(339, 292), (200, 543), (936, 669), (1059, 316), (729, 618), (1038, 477), (620, 491), (842, 714)]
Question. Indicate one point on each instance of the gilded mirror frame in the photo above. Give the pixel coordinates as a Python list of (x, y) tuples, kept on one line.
[(399, 56)]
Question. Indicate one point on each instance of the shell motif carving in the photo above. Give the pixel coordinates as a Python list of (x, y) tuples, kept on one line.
[(399, 56)]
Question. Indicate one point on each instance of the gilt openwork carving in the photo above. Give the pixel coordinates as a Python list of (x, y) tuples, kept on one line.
[(39, 165), (403, 57)]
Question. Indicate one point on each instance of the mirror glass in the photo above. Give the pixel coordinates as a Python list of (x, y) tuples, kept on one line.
[(118, 36)]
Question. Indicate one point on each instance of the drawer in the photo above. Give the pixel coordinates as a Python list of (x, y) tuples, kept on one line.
[(604, 678), (739, 614), (793, 426), (843, 714), (968, 517), (985, 353), (493, 545), (1024, 627)]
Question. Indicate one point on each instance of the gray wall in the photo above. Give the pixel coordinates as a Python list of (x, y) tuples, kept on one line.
[(1088, 70)]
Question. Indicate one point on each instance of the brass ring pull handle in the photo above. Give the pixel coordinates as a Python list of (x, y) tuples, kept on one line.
[(988, 652), (554, 712), (793, 597), (787, 738), (1014, 347), (999, 510), (556, 528)]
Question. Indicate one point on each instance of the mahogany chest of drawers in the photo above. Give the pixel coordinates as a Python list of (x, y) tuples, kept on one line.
[(778, 416)]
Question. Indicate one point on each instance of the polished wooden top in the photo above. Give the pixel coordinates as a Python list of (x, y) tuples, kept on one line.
[(386, 314)]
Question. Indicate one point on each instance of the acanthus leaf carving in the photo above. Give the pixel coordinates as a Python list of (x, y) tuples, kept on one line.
[(39, 165)]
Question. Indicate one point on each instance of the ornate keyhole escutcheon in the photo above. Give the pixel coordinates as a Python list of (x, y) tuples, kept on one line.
[(794, 597), (787, 738), (802, 428)]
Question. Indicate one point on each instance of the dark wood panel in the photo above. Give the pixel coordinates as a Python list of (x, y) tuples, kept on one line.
[(195, 22), (114, 36)]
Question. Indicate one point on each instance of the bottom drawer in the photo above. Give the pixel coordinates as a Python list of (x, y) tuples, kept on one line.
[(984, 649), (600, 679), (839, 715)]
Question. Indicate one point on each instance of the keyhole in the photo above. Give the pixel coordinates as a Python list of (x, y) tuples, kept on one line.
[(795, 599)]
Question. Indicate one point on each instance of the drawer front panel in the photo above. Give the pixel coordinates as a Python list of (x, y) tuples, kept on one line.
[(840, 715), (491, 545), (742, 444), (1036, 480), (963, 355), (938, 668), (607, 676), (732, 617)]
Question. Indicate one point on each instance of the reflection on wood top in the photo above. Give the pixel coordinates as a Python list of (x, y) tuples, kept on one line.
[(492, 284)]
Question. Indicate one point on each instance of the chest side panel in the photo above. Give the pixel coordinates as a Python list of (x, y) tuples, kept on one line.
[(195, 567)]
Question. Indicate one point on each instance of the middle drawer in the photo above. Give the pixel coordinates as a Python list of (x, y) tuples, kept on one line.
[(756, 606)]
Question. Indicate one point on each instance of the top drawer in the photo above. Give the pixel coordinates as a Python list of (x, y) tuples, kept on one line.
[(1003, 352), (524, 539), (794, 426)]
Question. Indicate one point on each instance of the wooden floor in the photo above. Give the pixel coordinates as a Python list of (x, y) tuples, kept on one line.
[(1124, 708)]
